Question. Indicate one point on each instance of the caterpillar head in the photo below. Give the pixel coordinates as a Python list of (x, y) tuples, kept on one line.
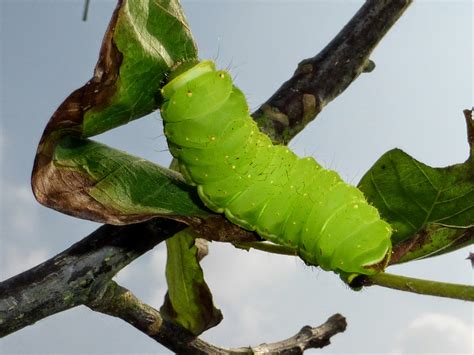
[(195, 93)]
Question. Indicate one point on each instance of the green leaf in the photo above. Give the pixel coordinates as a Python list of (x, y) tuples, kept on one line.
[(151, 37), (433, 240), (410, 195), (143, 42), (189, 300), (124, 186)]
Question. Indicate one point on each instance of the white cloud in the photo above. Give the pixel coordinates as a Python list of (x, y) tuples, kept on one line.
[(19, 220), (251, 321), (243, 287), (434, 333), (16, 260), (233, 274), (230, 273), (23, 209), (123, 276), (157, 265), (19, 210)]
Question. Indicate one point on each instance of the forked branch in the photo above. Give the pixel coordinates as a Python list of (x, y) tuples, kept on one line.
[(119, 302)]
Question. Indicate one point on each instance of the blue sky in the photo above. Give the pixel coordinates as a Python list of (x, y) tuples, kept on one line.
[(413, 100)]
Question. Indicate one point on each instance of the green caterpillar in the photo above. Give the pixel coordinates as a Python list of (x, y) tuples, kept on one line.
[(263, 187)]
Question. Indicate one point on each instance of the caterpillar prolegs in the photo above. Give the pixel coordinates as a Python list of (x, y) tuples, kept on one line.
[(263, 187)]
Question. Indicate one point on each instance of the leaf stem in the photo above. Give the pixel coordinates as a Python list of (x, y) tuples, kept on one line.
[(267, 247), (425, 287)]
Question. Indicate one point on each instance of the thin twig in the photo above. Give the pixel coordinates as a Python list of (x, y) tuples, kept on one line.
[(424, 287), (267, 247), (470, 131), (86, 10)]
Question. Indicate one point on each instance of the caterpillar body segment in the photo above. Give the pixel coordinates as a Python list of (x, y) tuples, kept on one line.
[(263, 187)]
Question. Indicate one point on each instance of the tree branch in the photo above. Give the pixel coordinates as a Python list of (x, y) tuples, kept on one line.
[(67, 280), (119, 302), (83, 274), (320, 79)]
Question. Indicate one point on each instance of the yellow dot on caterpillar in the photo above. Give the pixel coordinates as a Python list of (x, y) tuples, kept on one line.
[(253, 204), (305, 194), (233, 166), (278, 214), (205, 175), (213, 138), (187, 139), (227, 157), (292, 187), (356, 206), (271, 181), (306, 230), (189, 93), (249, 176), (287, 151), (294, 223), (221, 75), (196, 159)]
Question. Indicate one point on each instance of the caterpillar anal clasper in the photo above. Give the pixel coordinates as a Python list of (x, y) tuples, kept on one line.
[(263, 187)]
